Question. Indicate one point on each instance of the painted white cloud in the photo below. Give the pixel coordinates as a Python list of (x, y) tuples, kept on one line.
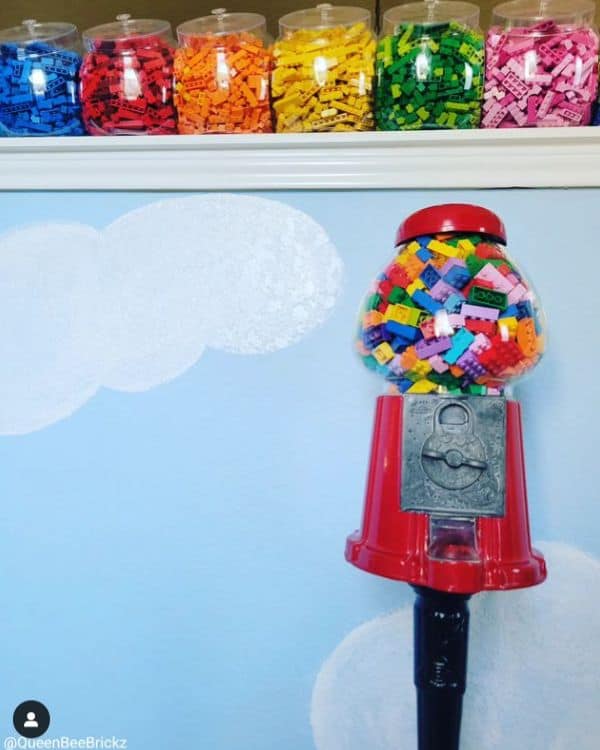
[(48, 354), (136, 305), (534, 671)]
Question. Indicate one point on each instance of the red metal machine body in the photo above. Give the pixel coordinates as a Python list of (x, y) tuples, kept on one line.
[(395, 544)]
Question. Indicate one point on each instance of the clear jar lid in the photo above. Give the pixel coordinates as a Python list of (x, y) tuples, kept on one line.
[(30, 31), (531, 12), (221, 23), (430, 13), (126, 28), (324, 16)]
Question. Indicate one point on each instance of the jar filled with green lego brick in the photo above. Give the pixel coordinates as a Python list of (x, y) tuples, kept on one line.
[(430, 67)]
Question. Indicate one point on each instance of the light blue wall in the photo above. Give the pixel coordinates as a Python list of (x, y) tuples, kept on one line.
[(172, 561)]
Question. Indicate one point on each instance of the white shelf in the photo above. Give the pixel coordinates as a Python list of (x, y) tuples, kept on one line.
[(553, 157)]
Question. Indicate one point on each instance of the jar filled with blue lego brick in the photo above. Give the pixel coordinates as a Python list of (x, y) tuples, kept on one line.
[(39, 80)]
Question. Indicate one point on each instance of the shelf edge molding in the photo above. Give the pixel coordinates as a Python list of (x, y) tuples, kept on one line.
[(542, 158)]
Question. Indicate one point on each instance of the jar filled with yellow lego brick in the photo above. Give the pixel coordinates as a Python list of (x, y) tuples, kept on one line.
[(324, 67)]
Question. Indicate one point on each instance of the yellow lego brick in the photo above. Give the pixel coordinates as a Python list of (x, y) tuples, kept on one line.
[(288, 61), (507, 327), (287, 102), (422, 386), (416, 284), (421, 368), (350, 110), (408, 316), (330, 94), (443, 249), (383, 353), (307, 96), (325, 122), (467, 246)]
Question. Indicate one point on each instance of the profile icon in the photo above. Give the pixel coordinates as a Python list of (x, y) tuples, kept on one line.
[(31, 719), (31, 722)]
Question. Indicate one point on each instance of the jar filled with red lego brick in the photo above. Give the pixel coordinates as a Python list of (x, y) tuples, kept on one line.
[(127, 78), (222, 70)]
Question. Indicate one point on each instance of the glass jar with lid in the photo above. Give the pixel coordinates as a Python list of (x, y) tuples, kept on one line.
[(430, 66), (222, 70), (324, 64), (127, 78), (541, 64), (39, 80)]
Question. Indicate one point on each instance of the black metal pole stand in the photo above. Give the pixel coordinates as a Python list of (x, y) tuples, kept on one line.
[(441, 633)]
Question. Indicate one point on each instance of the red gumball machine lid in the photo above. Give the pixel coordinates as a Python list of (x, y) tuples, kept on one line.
[(451, 217)]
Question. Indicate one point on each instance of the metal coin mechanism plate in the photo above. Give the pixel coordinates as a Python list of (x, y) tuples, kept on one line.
[(453, 455)]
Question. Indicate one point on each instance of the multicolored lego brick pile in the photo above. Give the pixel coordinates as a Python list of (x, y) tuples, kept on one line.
[(451, 313)]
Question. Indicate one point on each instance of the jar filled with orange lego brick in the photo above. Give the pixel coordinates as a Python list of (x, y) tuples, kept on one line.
[(222, 71), (324, 66)]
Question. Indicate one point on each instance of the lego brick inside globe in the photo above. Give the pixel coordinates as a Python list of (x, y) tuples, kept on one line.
[(451, 314)]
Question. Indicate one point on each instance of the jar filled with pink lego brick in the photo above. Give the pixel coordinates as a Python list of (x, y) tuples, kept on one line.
[(541, 64)]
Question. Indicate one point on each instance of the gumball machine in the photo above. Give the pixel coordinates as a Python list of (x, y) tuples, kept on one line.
[(450, 324)]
